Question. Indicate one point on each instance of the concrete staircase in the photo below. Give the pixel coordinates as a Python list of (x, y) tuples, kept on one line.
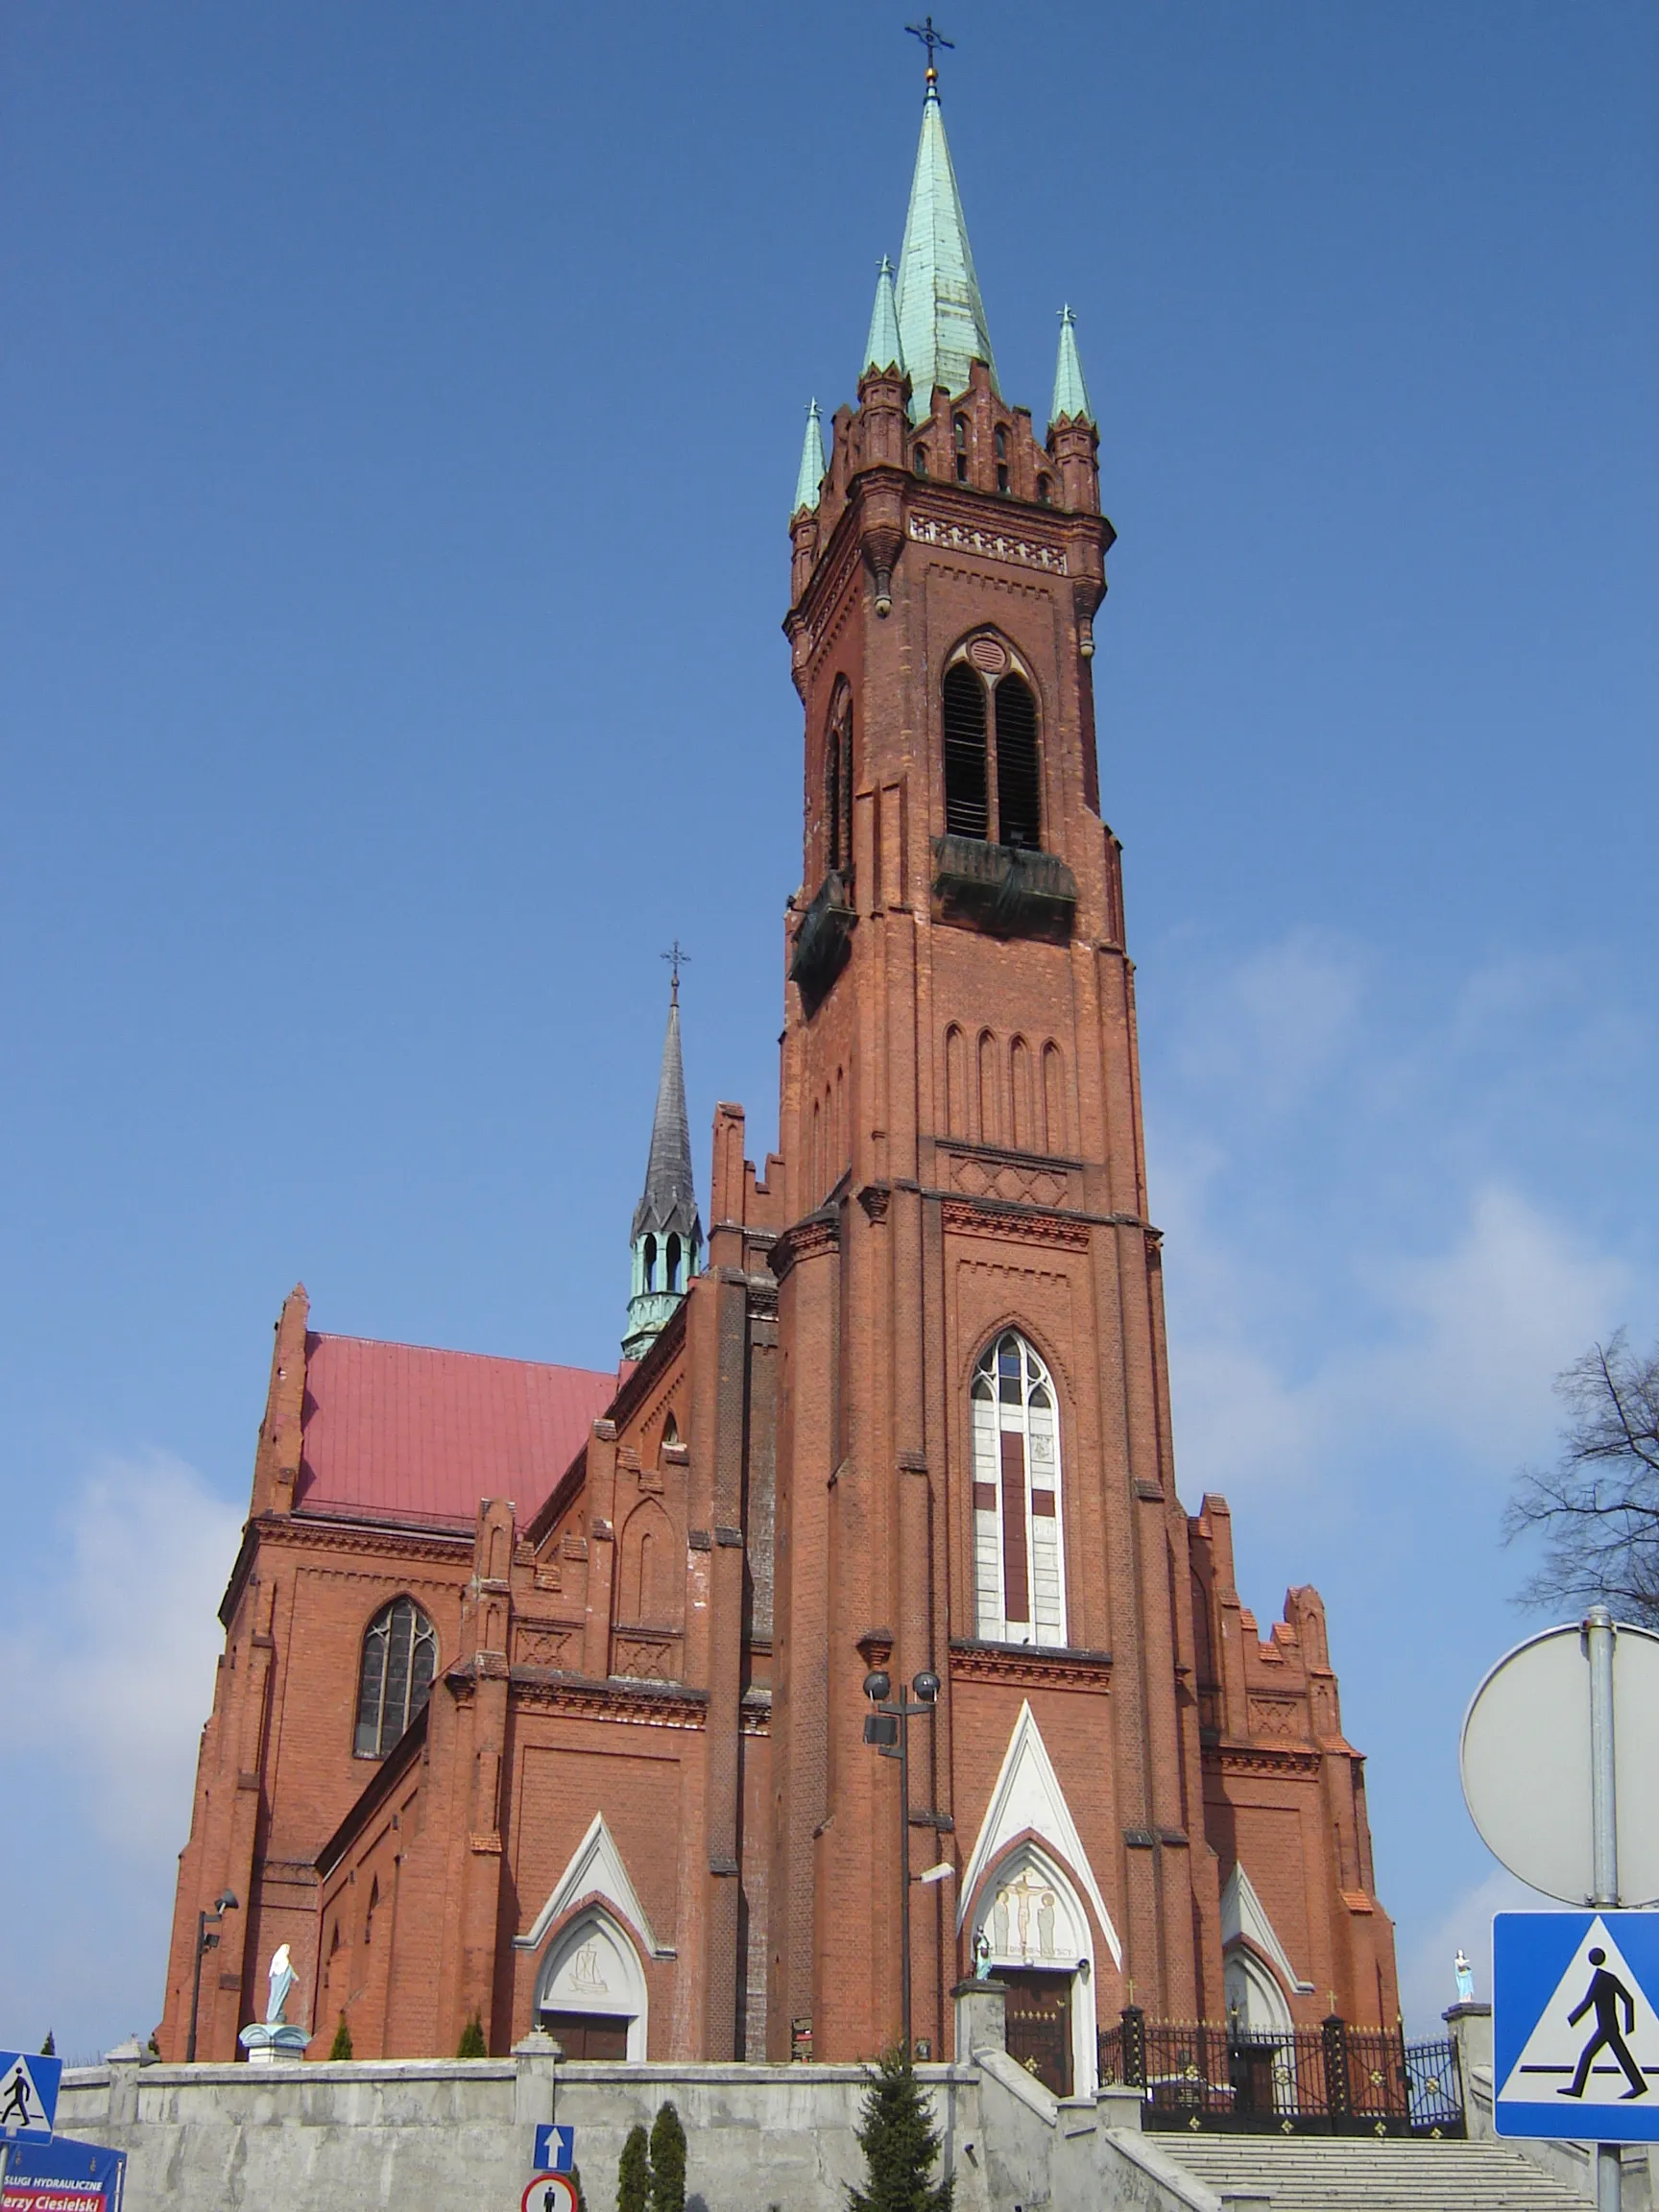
[(1360, 2174)]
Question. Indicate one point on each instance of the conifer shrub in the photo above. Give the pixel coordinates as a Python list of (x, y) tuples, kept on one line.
[(668, 2161), (49, 2049), (899, 2143), (472, 2043), (634, 2173), (576, 2184), (341, 2047)]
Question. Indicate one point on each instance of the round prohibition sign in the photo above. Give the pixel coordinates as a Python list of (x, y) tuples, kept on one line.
[(549, 2192)]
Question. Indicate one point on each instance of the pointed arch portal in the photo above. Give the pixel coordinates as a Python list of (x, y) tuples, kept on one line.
[(591, 1994), (1033, 1929)]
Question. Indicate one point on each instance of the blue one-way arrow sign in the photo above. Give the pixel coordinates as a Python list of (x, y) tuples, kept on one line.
[(28, 2093), (555, 2149), (1575, 2024)]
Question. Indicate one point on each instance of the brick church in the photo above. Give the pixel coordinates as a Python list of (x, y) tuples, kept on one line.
[(544, 1691)]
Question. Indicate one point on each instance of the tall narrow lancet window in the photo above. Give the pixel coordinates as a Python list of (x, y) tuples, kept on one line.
[(671, 1280), (960, 427), (1019, 801), (1019, 1554), (967, 810), (399, 1658), (838, 785)]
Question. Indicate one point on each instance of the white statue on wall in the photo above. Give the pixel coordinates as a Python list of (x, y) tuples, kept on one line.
[(275, 2036), (1465, 1974), (282, 1980)]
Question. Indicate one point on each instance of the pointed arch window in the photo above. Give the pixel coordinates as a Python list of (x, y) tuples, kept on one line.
[(1018, 1548), (838, 785), (959, 428), (990, 749), (400, 1659), (1003, 460)]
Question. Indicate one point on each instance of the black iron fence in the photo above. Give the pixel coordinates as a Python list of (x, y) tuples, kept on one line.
[(1332, 2079)]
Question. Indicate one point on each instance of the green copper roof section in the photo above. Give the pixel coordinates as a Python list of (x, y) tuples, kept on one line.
[(813, 466), (941, 315), (1071, 392), (882, 348)]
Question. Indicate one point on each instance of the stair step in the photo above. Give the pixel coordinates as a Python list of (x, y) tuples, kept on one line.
[(1360, 2174)]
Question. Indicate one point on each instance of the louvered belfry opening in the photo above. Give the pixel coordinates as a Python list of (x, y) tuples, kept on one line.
[(969, 684), (838, 785), (1019, 795), (967, 802)]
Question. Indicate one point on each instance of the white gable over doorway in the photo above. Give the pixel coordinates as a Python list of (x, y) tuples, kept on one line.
[(1242, 1915), (1029, 1801), (595, 1869)]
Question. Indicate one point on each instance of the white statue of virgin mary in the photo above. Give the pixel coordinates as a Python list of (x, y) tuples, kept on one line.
[(282, 1980), (275, 2036)]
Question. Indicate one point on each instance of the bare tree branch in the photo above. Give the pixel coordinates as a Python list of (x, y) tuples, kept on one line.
[(1596, 1511)]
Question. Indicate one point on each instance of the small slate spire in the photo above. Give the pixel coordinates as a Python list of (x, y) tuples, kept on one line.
[(813, 466), (1071, 392), (941, 315), (882, 349), (668, 1234)]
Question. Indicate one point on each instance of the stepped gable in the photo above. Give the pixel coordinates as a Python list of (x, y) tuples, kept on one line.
[(402, 1432)]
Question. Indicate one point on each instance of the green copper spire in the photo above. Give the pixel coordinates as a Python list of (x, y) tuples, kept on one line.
[(813, 466), (941, 315), (668, 1236), (1071, 392), (882, 348)]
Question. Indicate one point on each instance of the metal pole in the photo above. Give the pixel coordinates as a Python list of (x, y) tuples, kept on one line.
[(1599, 1636), (196, 1987), (905, 1870)]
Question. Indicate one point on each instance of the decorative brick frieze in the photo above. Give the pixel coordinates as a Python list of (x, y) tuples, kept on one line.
[(1259, 1759), (983, 1218), (1029, 1666), (998, 545), (658, 1706)]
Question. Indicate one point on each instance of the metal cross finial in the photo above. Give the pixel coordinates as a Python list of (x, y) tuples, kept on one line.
[(930, 38), (676, 957)]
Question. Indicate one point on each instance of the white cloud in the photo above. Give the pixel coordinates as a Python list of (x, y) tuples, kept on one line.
[(110, 1666), (1270, 1027), (1487, 1325), (1465, 1343)]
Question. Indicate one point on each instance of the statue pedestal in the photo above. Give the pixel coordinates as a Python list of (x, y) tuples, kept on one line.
[(268, 2043)]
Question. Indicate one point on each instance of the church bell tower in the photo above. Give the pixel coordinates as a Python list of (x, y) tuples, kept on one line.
[(974, 1474)]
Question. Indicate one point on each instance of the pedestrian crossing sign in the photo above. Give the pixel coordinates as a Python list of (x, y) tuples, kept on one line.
[(28, 2094), (1575, 2024)]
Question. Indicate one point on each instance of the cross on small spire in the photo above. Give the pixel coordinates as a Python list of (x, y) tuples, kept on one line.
[(930, 38), (676, 957)]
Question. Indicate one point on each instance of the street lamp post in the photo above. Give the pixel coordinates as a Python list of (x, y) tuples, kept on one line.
[(888, 1729), (206, 1941)]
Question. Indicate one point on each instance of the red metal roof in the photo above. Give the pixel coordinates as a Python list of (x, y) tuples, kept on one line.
[(396, 1432)]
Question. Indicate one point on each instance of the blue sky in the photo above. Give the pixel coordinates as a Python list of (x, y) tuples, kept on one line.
[(398, 414)]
